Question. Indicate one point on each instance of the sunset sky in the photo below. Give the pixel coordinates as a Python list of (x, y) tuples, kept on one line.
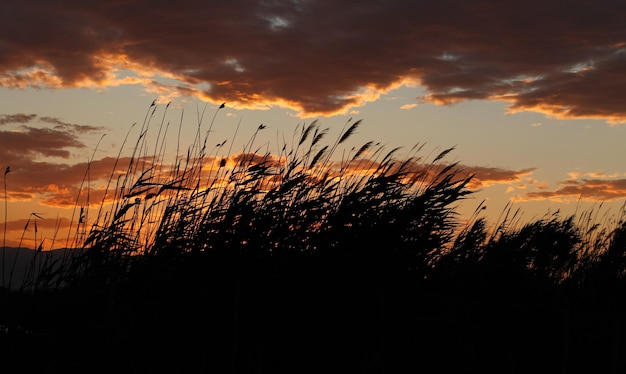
[(531, 94)]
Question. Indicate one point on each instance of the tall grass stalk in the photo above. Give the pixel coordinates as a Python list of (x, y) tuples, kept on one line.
[(6, 216)]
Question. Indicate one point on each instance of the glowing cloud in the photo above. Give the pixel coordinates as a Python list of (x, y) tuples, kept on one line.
[(488, 176), (321, 57), (595, 190)]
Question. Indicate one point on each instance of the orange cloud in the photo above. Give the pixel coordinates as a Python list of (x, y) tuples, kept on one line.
[(20, 232), (487, 176), (321, 57), (586, 189), (42, 223)]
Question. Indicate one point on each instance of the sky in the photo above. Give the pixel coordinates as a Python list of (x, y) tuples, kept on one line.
[(531, 94)]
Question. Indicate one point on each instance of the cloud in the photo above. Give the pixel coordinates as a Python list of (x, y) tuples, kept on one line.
[(46, 142), (42, 223), (585, 189), (325, 57), (488, 176), (48, 230), (26, 149), (69, 127), (16, 118), (408, 106), (27, 140), (65, 185), (595, 186)]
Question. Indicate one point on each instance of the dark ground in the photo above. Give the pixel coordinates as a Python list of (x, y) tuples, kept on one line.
[(309, 315)]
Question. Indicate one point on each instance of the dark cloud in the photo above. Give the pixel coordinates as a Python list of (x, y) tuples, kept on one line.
[(69, 127), (32, 141), (562, 59), (37, 141), (16, 118)]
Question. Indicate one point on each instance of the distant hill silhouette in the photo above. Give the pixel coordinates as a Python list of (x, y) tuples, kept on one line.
[(23, 265)]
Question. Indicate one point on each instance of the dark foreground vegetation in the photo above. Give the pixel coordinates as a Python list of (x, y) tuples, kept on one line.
[(294, 263)]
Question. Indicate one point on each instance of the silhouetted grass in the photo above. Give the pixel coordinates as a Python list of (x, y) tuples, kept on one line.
[(301, 260)]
